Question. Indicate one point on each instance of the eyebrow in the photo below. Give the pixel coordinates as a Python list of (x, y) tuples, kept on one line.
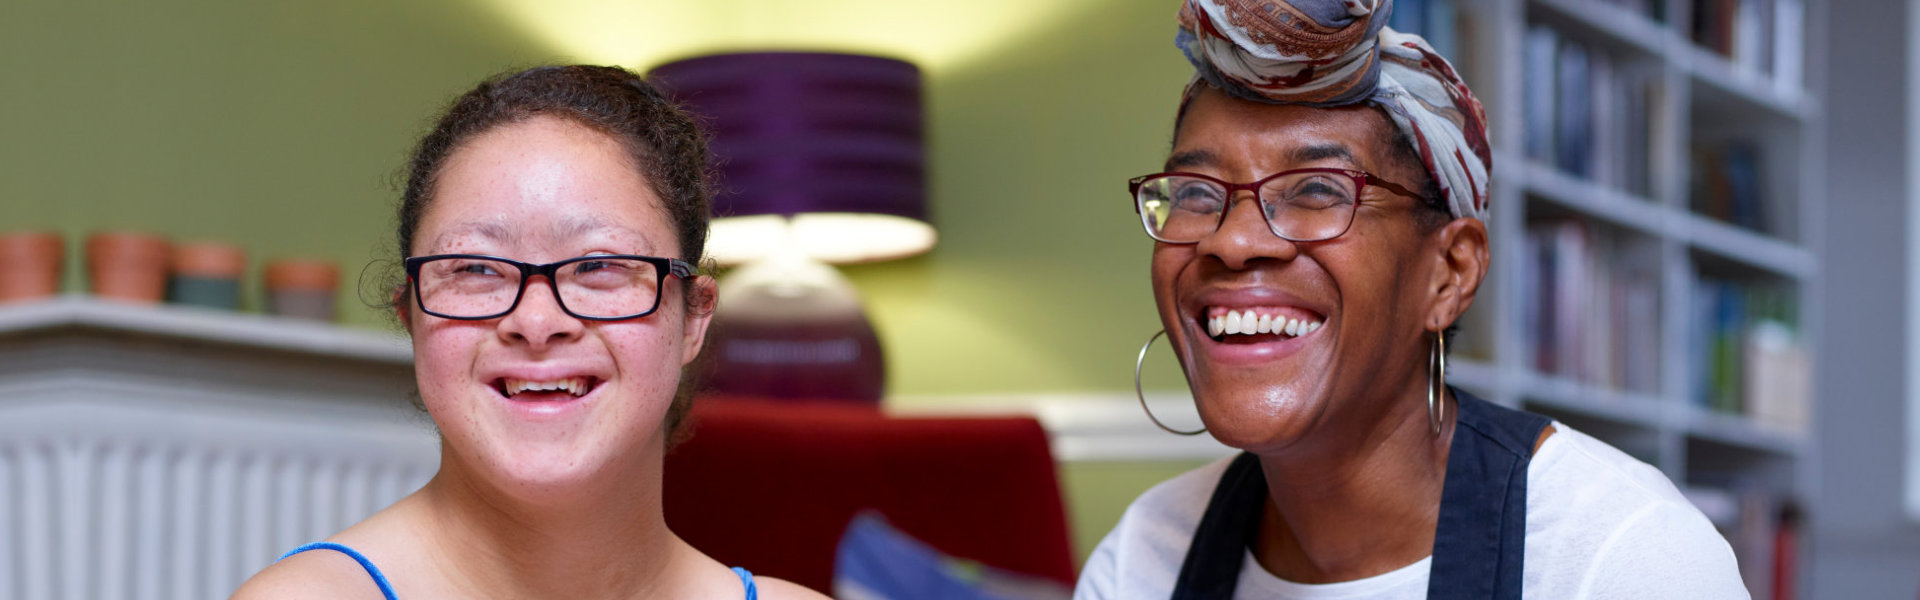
[(562, 231), (1304, 154), (576, 227), (1189, 159), (1319, 152), (492, 230)]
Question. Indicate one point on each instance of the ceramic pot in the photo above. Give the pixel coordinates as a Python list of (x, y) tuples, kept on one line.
[(302, 288), (207, 274), (128, 266), (30, 264)]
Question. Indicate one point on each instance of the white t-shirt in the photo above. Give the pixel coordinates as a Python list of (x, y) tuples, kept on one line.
[(1600, 524)]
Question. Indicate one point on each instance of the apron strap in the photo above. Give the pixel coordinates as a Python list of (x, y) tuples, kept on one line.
[(1212, 566), (1479, 543)]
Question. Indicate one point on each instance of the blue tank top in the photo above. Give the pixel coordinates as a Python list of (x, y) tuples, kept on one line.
[(386, 589)]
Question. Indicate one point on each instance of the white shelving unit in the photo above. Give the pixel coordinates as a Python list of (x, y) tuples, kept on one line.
[(1698, 93)]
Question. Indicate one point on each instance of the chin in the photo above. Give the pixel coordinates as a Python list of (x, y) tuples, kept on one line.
[(548, 469), (1259, 419), (1266, 407)]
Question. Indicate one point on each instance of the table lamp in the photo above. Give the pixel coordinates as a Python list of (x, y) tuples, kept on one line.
[(819, 160)]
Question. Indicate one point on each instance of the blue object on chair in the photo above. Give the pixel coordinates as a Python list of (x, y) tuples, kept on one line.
[(877, 562)]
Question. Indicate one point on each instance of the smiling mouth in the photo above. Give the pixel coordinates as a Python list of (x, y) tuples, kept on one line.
[(1257, 324), (545, 391)]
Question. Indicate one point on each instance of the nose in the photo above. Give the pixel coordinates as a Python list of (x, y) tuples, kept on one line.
[(539, 321), (1245, 236)]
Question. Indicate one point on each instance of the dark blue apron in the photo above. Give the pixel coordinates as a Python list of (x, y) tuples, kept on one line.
[(1478, 545)]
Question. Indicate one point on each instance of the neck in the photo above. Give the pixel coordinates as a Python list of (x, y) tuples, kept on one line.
[(1358, 505), (607, 541)]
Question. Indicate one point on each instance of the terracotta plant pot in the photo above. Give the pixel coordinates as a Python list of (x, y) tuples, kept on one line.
[(302, 288), (207, 274), (30, 264), (127, 265)]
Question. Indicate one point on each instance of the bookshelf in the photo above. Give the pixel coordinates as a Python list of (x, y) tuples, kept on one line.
[(1656, 210)]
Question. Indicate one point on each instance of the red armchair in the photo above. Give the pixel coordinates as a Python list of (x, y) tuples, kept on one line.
[(771, 486)]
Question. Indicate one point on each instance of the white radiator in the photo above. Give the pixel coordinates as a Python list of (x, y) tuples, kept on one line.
[(155, 499)]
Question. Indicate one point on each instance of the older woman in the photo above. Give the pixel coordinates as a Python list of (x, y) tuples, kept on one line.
[(549, 230), (1318, 229)]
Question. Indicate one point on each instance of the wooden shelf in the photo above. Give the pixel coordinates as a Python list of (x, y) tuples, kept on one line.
[(1723, 85), (1747, 247), (1742, 432), (1595, 200), (1617, 26), (1593, 401)]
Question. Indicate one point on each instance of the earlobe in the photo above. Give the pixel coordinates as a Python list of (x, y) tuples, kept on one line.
[(400, 310), (1462, 266), (699, 314)]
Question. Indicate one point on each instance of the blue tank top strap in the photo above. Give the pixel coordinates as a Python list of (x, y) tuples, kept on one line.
[(746, 578), (379, 578)]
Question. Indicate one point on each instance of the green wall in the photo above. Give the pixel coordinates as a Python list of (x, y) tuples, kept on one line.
[(1097, 494), (1040, 279), (276, 126), (281, 127)]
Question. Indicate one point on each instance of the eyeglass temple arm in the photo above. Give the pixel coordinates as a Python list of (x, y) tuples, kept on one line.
[(1391, 186), (680, 268)]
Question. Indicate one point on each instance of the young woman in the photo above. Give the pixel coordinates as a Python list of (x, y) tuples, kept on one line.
[(549, 229), (1317, 229)]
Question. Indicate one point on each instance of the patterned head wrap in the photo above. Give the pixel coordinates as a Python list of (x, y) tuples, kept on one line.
[(1340, 52)]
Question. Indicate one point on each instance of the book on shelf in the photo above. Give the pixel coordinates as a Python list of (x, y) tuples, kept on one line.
[(1586, 113), (1724, 183), (1763, 37), (1747, 356), (1592, 305)]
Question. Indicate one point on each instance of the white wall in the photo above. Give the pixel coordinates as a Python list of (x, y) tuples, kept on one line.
[(1865, 545)]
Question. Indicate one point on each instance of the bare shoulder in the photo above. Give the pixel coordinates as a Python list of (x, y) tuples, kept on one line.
[(384, 538), (315, 574), (781, 589)]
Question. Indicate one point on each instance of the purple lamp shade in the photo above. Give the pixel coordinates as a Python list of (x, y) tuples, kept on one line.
[(797, 132)]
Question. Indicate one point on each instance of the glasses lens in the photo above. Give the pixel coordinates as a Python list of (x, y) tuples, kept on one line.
[(1310, 206), (468, 287), (1177, 208), (609, 287)]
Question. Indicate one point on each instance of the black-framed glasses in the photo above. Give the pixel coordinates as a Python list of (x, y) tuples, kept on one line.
[(1301, 205), (601, 287)]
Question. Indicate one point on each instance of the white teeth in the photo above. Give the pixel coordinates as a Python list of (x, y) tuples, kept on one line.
[(1250, 323), (576, 386)]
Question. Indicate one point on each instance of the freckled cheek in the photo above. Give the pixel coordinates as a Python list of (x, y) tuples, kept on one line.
[(649, 361), (443, 361)]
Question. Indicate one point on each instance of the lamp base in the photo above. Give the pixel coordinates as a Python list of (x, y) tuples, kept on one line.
[(789, 327)]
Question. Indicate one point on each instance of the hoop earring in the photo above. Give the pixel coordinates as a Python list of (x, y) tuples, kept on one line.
[(1436, 381), (1137, 363)]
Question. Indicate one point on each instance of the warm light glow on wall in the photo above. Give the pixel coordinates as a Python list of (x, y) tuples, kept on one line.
[(838, 238), (933, 35)]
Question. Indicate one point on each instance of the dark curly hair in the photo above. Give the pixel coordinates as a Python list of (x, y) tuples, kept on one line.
[(665, 143)]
